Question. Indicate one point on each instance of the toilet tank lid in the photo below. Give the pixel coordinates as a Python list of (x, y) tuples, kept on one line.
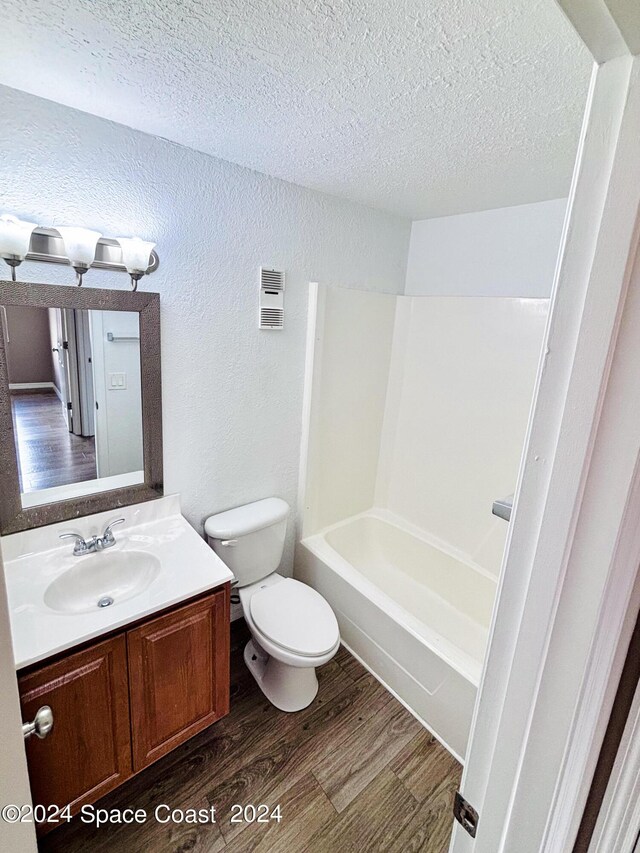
[(246, 519)]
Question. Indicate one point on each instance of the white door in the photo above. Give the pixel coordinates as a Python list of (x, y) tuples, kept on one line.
[(568, 594), (71, 371), (85, 372), (60, 353)]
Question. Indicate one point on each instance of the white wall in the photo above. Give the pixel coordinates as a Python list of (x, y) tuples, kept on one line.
[(509, 251), (459, 394), (232, 394)]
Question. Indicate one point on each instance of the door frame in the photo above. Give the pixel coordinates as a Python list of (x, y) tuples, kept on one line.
[(619, 816), (569, 592)]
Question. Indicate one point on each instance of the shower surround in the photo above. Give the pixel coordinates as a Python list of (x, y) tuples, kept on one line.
[(416, 410)]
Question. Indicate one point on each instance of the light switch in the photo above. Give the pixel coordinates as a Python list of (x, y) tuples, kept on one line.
[(117, 381)]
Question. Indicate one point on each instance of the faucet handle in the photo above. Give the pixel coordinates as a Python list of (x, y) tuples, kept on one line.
[(113, 524), (80, 547), (107, 537)]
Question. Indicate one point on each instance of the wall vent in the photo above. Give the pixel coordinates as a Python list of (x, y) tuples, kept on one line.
[(271, 314)]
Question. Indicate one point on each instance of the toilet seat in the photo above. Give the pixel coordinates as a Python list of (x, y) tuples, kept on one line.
[(295, 617)]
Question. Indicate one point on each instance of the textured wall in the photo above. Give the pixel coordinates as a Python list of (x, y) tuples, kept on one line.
[(510, 251), (232, 393)]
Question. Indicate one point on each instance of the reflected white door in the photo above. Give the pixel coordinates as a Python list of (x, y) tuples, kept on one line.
[(60, 353), (87, 401), (72, 377)]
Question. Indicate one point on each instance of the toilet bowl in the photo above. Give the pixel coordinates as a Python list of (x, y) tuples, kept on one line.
[(293, 628)]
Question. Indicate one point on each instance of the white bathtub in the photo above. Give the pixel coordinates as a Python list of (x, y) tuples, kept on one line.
[(428, 609)]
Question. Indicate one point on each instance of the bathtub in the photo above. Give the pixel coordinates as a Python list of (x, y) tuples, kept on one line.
[(428, 608)]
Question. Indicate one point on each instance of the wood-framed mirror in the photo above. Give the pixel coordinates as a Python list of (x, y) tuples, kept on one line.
[(80, 402)]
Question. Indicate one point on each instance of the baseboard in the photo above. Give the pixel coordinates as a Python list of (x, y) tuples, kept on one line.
[(32, 388)]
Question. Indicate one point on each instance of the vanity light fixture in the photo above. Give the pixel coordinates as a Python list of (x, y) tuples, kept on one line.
[(15, 238), (136, 257), (80, 246)]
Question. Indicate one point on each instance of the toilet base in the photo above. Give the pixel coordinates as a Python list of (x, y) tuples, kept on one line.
[(289, 688)]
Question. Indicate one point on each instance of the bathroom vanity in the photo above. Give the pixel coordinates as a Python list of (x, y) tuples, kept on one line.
[(122, 702), (128, 682)]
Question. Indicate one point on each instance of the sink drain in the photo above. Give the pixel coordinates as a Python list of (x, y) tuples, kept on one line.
[(105, 601)]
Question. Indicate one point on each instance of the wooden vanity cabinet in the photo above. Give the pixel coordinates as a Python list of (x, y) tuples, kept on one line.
[(170, 698), (87, 753), (121, 703)]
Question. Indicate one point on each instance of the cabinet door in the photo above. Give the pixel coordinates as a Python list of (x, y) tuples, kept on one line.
[(87, 752), (178, 676)]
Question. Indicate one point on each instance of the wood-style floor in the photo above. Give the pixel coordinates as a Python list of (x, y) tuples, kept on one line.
[(353, 772), (49, 455)]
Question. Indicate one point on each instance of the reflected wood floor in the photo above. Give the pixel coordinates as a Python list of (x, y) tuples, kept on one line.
[(49, 455), (353, 772)]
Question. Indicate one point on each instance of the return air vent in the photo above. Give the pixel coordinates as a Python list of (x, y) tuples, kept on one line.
[(271, 299)]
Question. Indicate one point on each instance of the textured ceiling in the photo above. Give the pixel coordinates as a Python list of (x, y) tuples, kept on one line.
[(422, 108)]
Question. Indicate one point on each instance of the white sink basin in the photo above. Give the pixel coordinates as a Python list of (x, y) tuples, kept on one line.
[(158, 561), (102, 579)]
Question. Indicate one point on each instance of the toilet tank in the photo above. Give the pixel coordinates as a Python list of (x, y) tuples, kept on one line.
[(250, 538)]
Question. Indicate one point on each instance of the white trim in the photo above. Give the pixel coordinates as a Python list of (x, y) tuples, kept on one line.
[(619, 822), (618, 611), (32, 386)]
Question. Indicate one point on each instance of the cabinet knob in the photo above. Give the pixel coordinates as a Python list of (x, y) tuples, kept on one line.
[(41, 725)]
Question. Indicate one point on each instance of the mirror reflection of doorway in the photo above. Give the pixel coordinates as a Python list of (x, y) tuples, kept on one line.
[(52, 399)]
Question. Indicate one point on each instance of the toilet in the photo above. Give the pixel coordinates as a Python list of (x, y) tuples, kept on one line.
[(293, 629)]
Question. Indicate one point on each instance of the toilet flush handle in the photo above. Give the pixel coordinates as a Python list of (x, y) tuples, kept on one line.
[(228, 543)]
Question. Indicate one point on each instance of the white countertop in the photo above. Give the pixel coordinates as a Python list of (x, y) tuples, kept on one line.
[(33, 559)]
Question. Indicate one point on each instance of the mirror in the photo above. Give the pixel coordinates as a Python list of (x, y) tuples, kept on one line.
[(77, 401)]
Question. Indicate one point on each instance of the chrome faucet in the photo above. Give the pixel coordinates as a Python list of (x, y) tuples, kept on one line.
[(96, 543)]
